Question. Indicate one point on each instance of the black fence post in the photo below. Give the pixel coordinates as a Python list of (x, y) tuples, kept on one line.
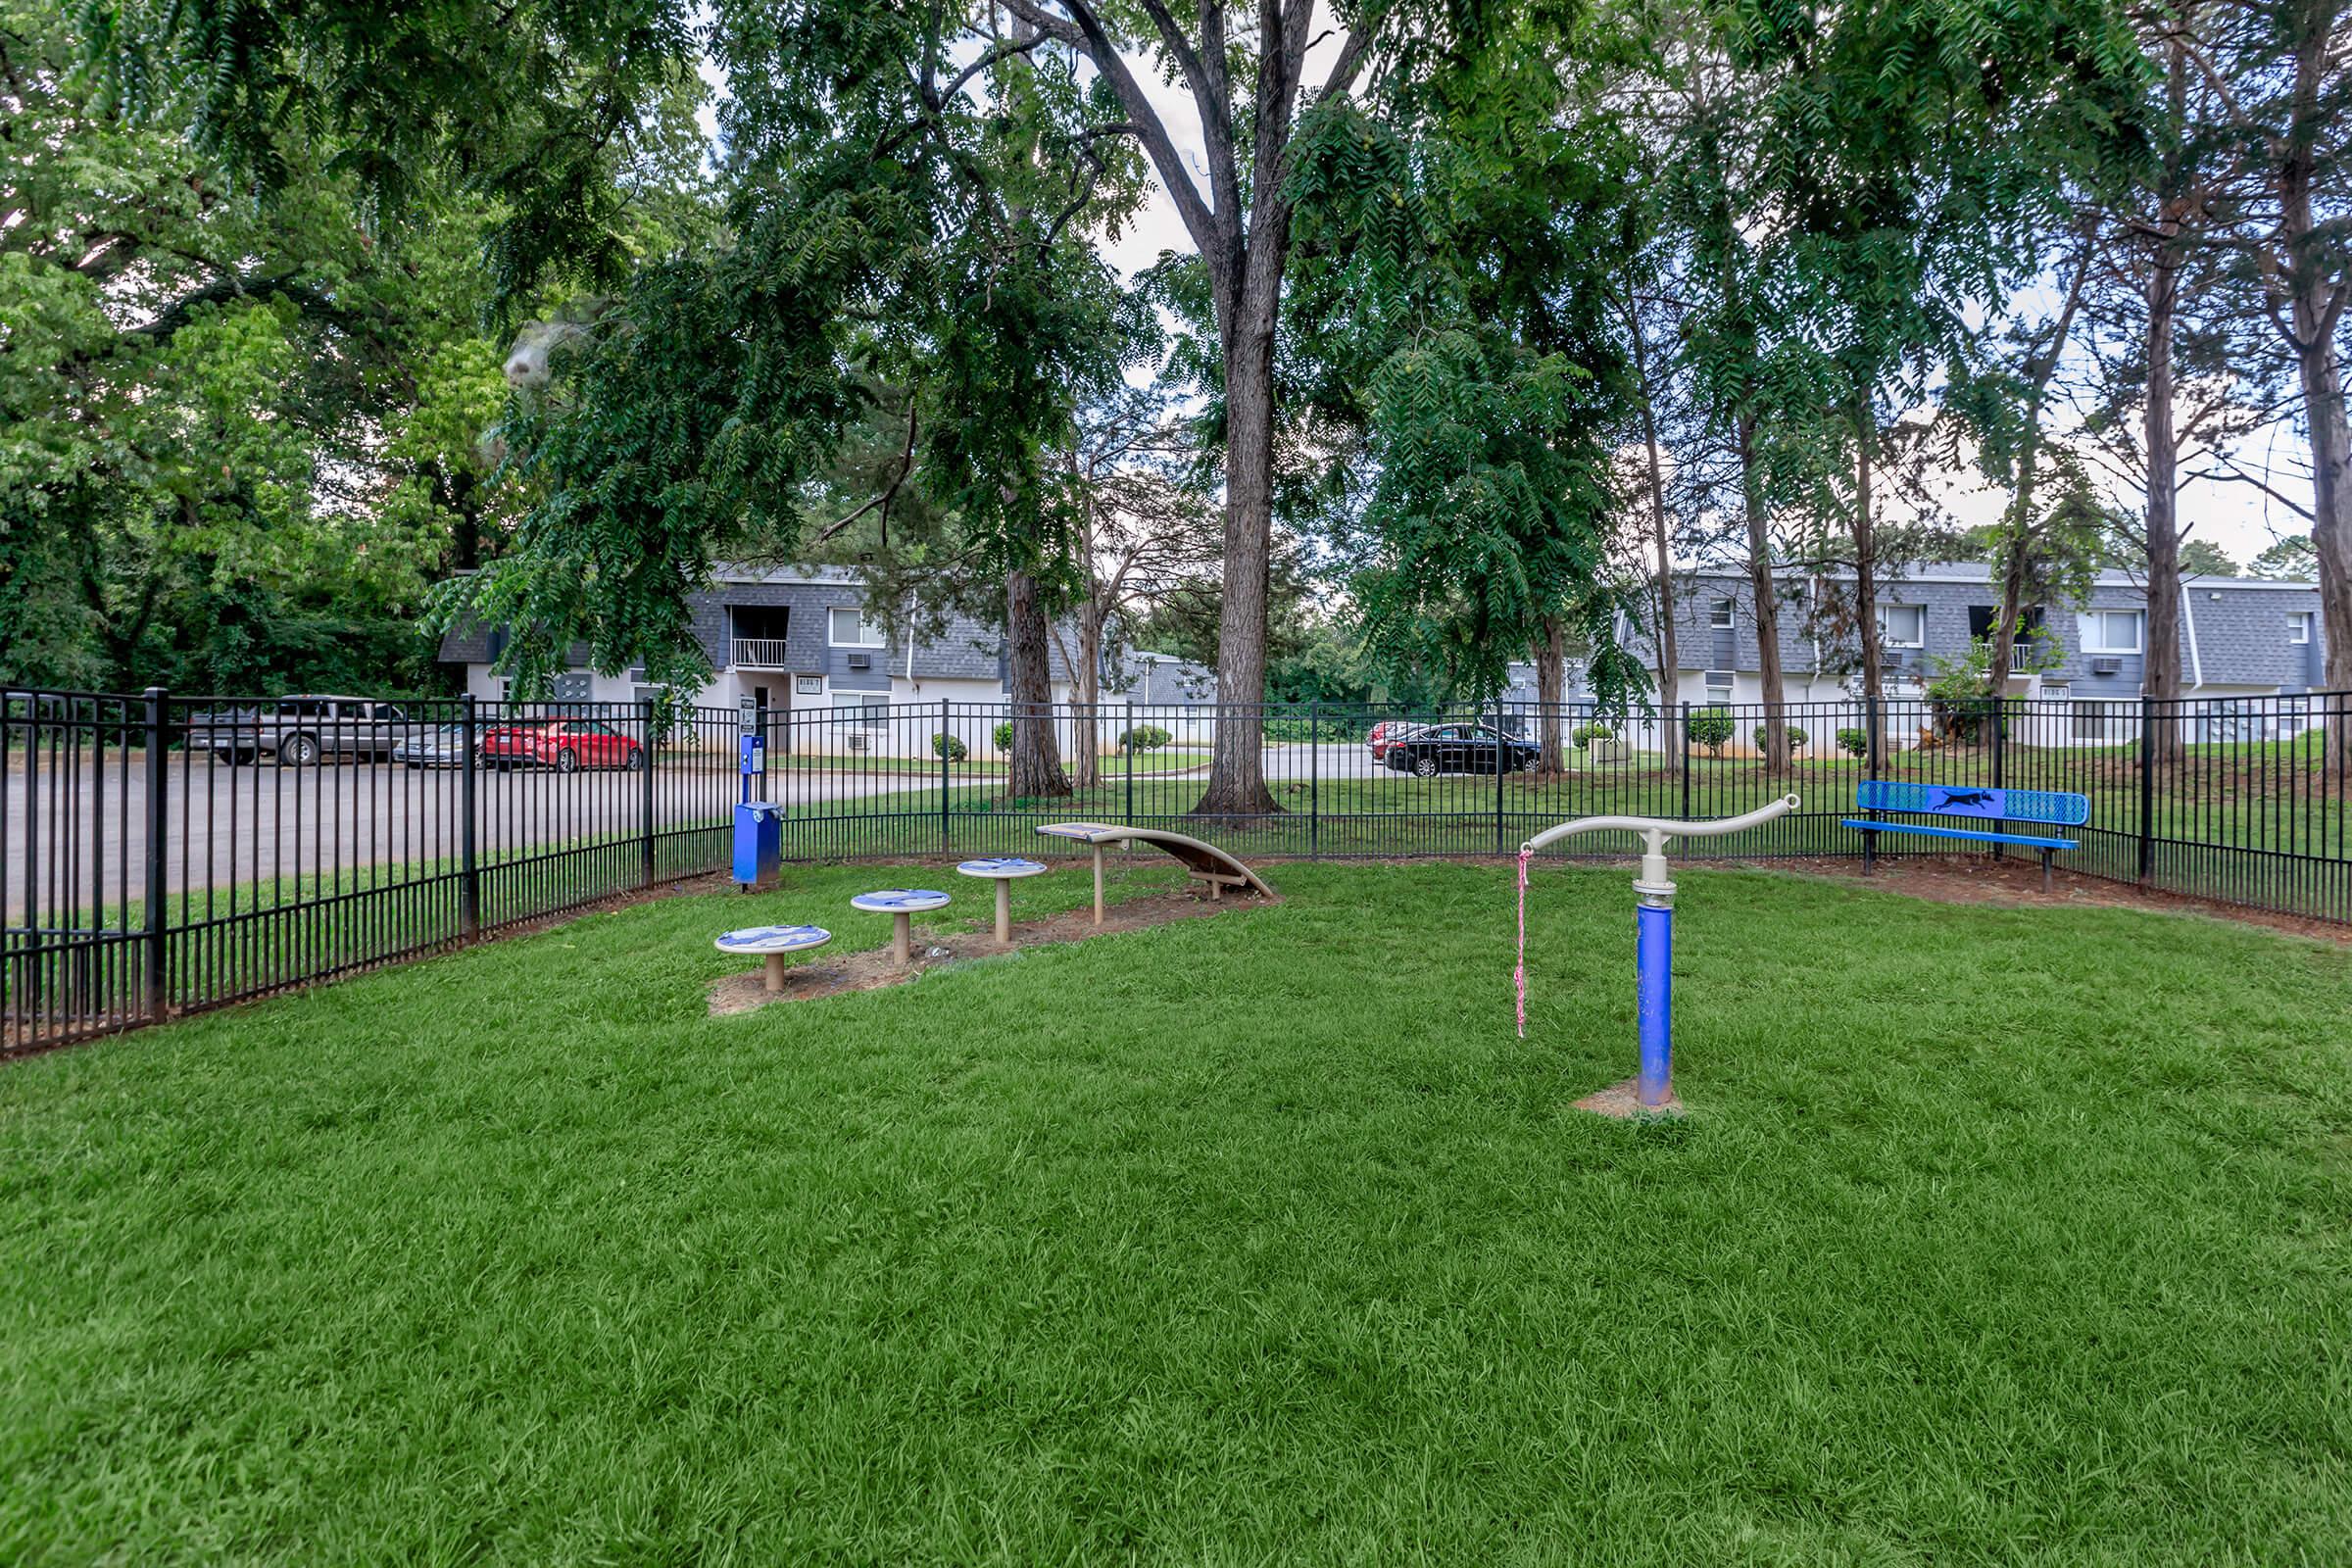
[(1315, 780), (1683, 750), (2000, 752), (470, 874), (644, 718), (2147, 786), (947, 753), (159, 818), (1127, 749), (1502, 743)]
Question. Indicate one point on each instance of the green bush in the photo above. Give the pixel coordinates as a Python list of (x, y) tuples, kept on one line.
[(1145, 738), (1585, 735), (1710, 727), (1003, 736), (1854, 742), (948, 747), (1797, 737)]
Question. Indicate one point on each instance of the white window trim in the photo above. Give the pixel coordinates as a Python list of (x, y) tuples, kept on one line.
[(881, 633), (2298, 627), (2097, 618), (845, 703), (1730, 614), (1888, 641)]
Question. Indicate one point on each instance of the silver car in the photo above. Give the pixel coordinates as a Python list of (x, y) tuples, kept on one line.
[(441, 746)]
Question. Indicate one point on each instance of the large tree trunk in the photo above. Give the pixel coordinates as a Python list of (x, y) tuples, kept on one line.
[(2160, 670), (1237, 779), (1661, 535), (1767, 616), (1865, 553), (1552, 659), (1036, 762), (2314, 306), (1087, 679)]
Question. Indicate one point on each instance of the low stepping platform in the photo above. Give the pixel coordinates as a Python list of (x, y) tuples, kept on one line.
[(1003, 870), (902, 905), (1203, 860), (1995, 806), (772, 943)]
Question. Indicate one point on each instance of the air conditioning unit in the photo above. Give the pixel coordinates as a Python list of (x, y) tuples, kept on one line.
[(861, 740), (2106, 666), (861, 660)]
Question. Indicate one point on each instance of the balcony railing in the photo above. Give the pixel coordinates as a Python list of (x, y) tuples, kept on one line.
[(760, 653)]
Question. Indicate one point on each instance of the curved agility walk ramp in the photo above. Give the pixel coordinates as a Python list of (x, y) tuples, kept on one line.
[(1202, 861)]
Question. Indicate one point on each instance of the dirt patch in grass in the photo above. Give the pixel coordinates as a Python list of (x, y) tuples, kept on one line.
[(828, 976), (1967, 880)]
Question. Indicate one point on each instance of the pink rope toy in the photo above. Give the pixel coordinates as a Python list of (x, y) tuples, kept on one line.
[(1519, 973)]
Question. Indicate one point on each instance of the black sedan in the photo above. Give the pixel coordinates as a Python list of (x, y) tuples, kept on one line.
[(1458, 749)]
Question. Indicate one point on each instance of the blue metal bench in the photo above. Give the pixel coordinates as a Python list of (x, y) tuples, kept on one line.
[(2043, 808)]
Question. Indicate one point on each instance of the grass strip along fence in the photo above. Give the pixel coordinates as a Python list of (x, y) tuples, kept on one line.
[(160, 855)]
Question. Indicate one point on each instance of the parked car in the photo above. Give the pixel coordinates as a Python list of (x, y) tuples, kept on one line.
[(300, 730), (511, 745), (1458, 749), (1387, 733), (565, 745), (442, 746)]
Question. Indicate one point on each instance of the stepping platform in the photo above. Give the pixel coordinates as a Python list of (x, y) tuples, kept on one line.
[(772, 943), (1003, 870), (1203, 860), (902, 905)]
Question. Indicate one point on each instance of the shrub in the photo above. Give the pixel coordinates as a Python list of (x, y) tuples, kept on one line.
[(1145, 738), (948, 747), (1585, 735), (1710, 727), (1854, 742), (1797, 737), (1003, 736)]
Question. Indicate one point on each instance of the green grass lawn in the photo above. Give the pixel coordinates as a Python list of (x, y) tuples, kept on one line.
[(1996, 1235)]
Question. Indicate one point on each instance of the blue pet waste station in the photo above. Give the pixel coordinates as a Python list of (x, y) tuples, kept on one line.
[(759, 824)]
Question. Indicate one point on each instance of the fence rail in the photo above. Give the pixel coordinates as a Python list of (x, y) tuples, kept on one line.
[(160, 853)]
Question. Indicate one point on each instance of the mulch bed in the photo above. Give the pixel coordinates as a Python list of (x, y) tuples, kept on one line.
[(828, 976)]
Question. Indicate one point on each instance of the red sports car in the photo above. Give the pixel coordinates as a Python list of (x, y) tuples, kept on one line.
[(565, 745)]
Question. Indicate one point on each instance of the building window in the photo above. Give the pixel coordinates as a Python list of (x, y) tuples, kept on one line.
[(1903, 626), (1719, 686), (2111, 631), (872, 711), (851, 629), (1722, 616), (2298, 627)]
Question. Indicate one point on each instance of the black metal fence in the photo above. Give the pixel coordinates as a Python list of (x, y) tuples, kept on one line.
[(160, 854)]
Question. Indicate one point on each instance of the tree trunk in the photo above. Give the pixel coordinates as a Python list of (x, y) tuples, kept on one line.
[(1552, 659), (1087, 681), (1036, 762), (1767, 617), (1866, 563), (1237, 778), (2160, 668), (1670, 661), (2314, 305)]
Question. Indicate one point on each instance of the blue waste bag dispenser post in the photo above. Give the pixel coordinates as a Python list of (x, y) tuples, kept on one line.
[(759, 824)]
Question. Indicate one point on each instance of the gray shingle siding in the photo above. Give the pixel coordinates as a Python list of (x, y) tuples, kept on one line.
[(2241, 628), (964, 648)]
